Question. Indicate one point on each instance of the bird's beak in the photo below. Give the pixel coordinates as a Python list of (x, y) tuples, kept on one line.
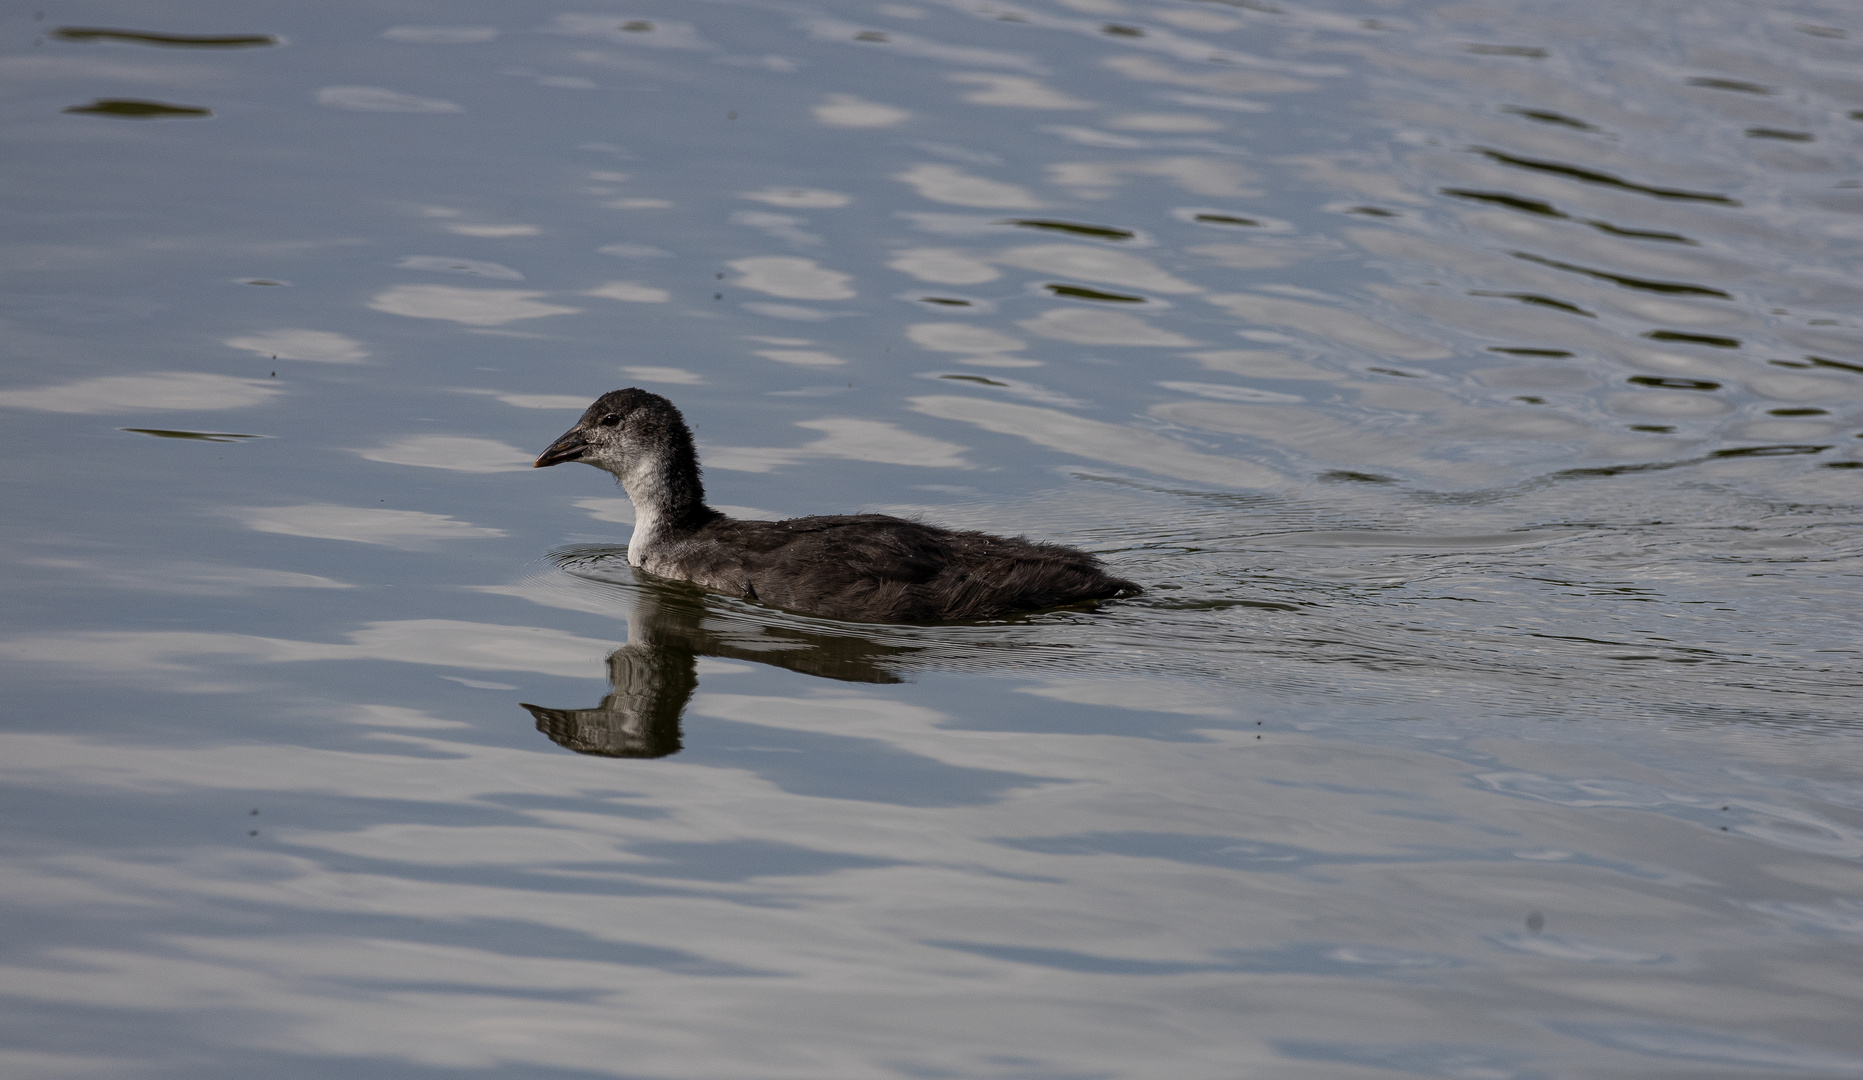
[(567, 448)]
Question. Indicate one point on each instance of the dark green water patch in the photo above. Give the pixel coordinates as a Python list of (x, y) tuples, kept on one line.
[(1545, 117), (1515, 351), (200, 436), (1641, 234), (1371, 211), (1769, 451), (1776, 133), (1694, 339), (1739, 86), (1347, 476), (173, 41), (1672, 382), (1098, 232), (1512, 202), (1118, 30), (1528, 52), (945, 301), (1674, 288), (1808, 411), (975, 379), (137, 109), (1226, 219), (1538, 301), (1591, 176), (1079, 292), (1819, 361), (1791, 450)]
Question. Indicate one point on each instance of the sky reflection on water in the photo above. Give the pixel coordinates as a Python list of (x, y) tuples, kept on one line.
[(1476, 393)]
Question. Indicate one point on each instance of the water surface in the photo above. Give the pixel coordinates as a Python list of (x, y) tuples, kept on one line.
[(1476, 390)]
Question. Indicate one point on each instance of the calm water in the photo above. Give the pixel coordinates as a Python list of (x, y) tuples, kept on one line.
[(1476, 388)]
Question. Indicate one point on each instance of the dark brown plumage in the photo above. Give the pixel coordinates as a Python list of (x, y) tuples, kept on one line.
[(865, 567)]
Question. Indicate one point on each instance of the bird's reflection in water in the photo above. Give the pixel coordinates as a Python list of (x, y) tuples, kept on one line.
[(672, 624)]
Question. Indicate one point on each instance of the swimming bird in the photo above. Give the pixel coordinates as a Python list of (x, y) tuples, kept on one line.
[(860, 567)]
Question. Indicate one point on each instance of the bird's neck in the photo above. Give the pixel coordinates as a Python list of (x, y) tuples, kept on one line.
[(668, 496)]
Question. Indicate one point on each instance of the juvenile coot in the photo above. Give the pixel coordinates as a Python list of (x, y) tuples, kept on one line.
[(866, 567)]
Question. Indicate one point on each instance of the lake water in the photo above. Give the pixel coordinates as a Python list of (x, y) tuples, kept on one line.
[(1476, 389)]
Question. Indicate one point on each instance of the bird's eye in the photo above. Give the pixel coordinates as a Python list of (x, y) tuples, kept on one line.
[(610, 420)]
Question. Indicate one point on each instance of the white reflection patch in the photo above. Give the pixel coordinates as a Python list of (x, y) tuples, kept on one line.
[(1100, 328), (137, 393), (486, 646), (1674, 406), (1147, 69), (535, 401), (630, 291), (410, 529), (395, 716), (441, 642), (673, 375), (1207, 101), (952, 185), (1015, 91), (494, 232), (321, 346), (654, 33), (1096, 265), (1803, 388), (848, 111), (473, 307), (1197, 175), (1565, 949), (1261, 364), (802, 357), (447, 264), (1222, 392), (1201, 21), (1097, 441), (888, 444), (1164, 122), (944, 266), (793, 313), (1249, 256), (1139, 694), (20, 68), (1331, 323), (848, 438), (784, 227), (792, 278), (632, 251), (1095, 137), (479, 684), (799, 198), (961, 338), (441, 35), (376, 99), (193, 579), (457, 453)]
